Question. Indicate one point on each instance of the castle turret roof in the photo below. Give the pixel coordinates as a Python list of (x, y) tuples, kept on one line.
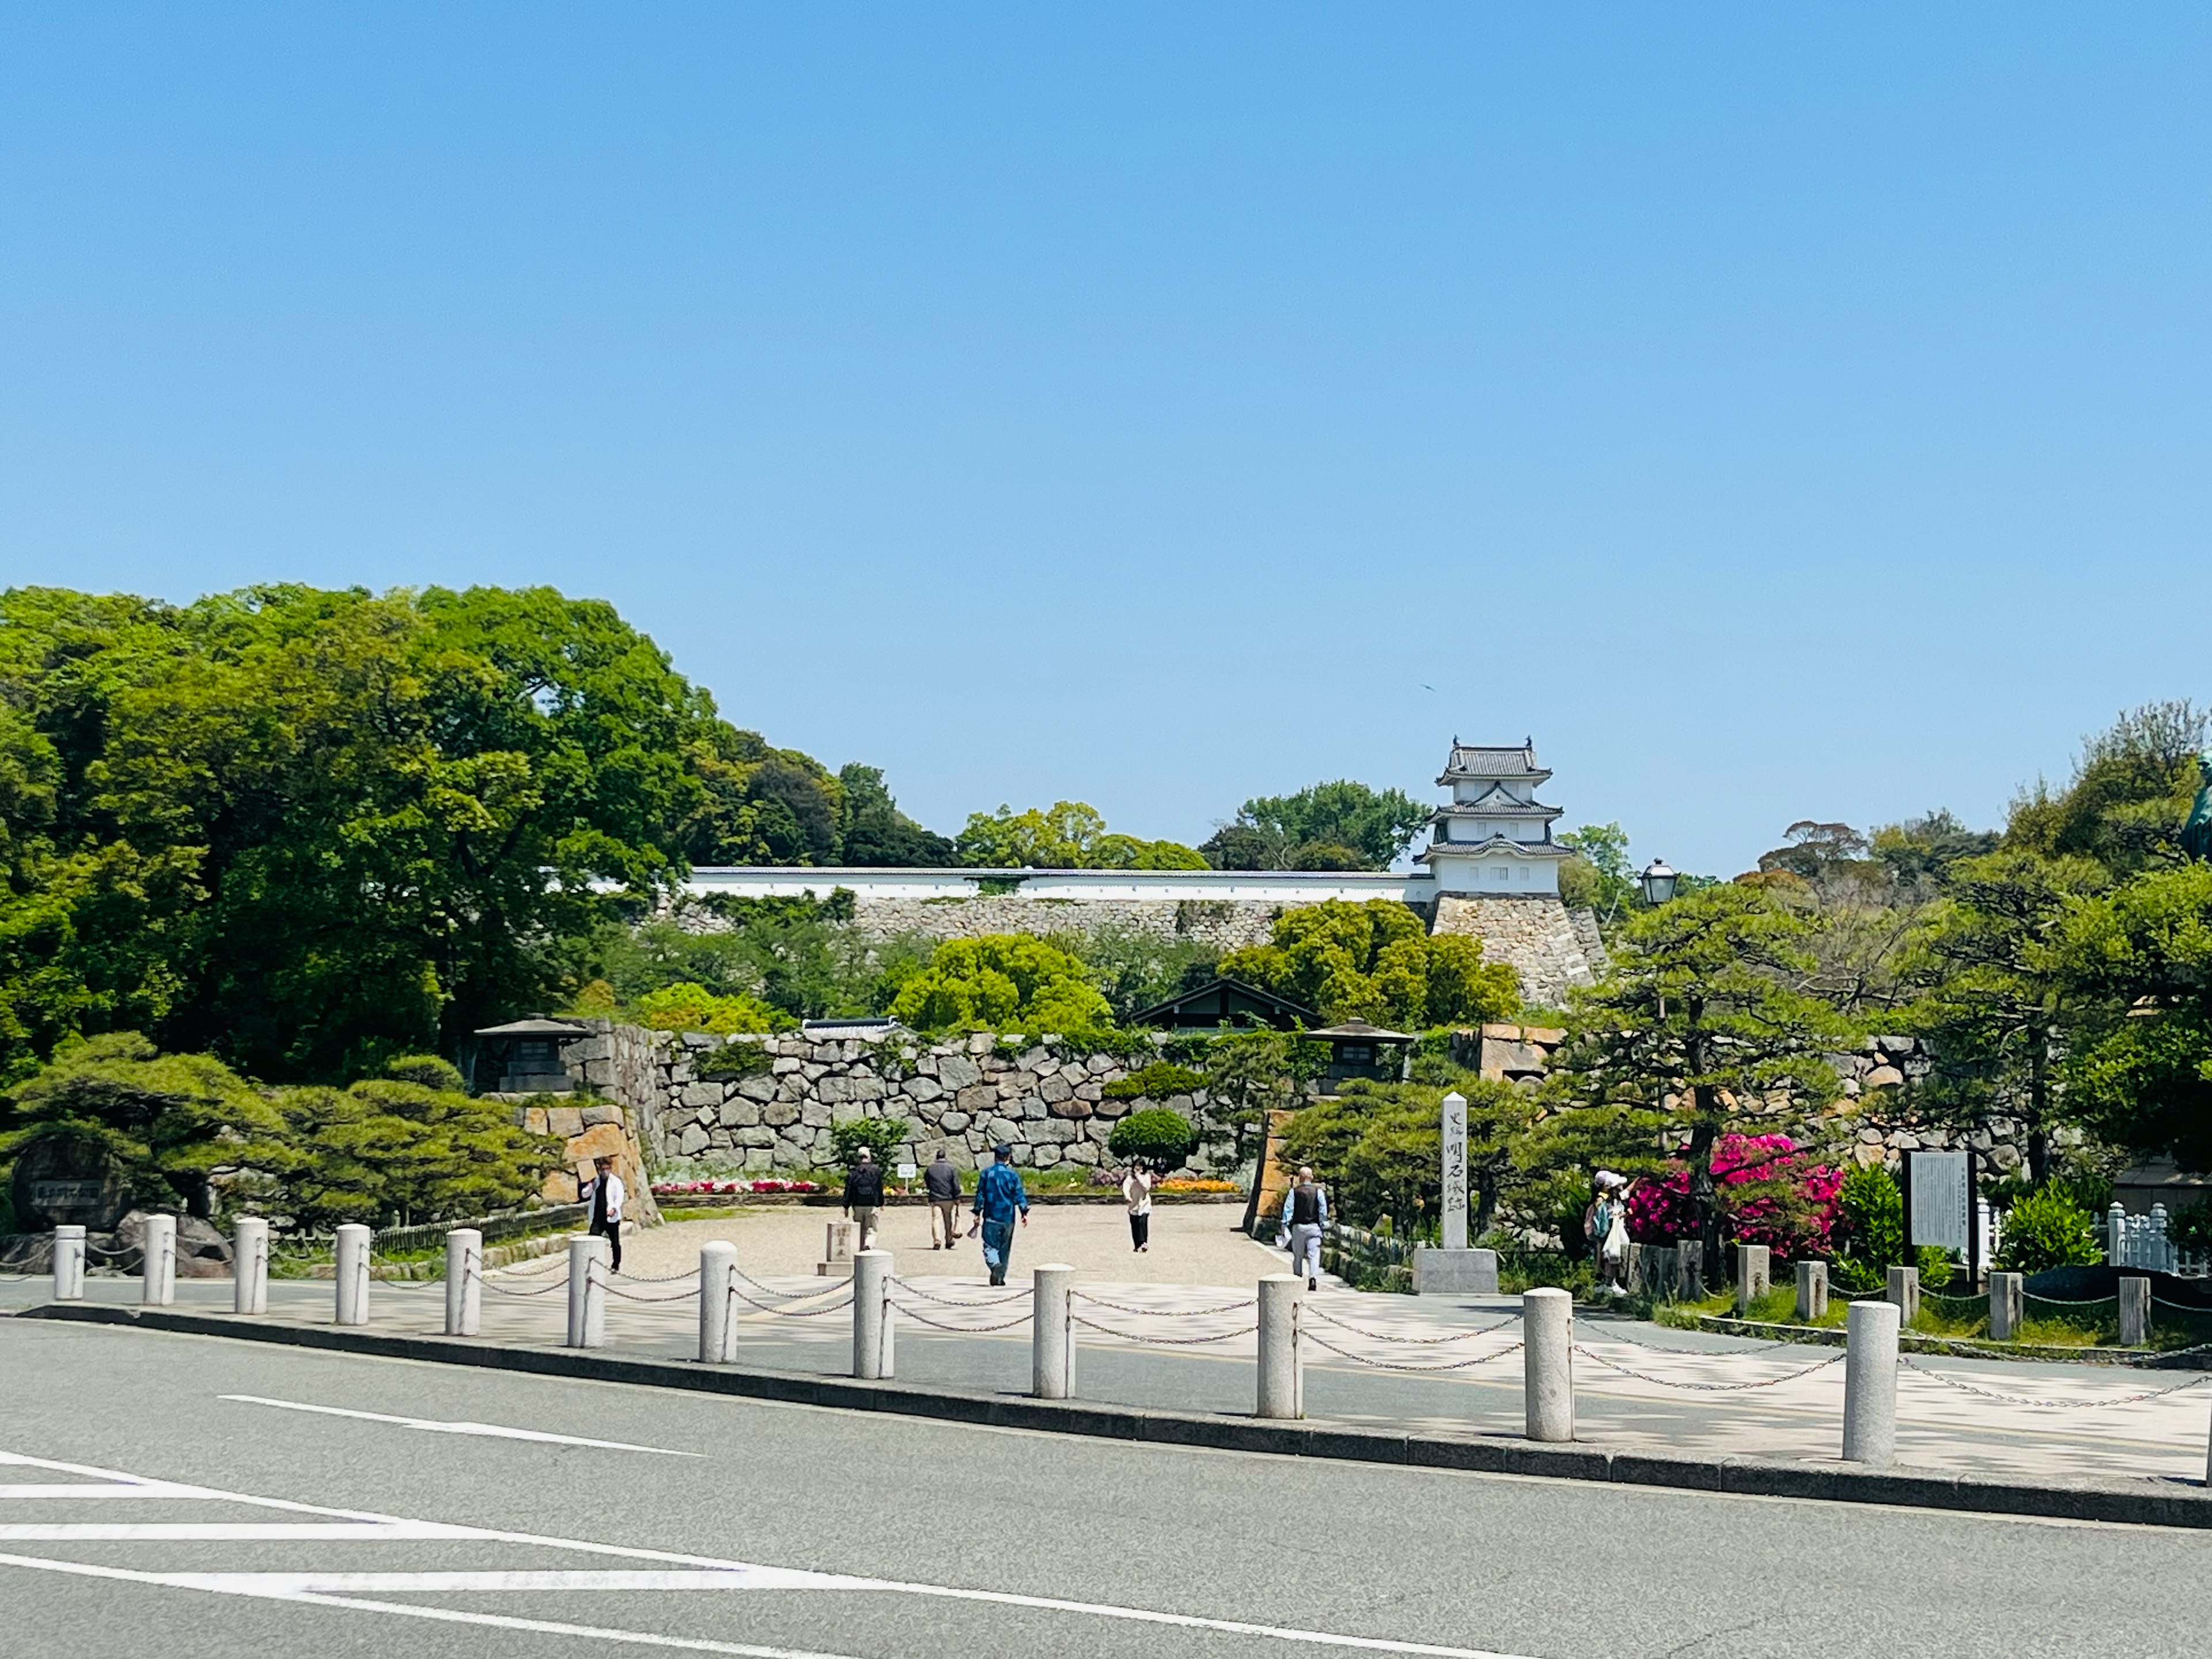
[(1481, 761)]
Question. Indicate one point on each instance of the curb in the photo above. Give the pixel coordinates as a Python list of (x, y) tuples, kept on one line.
[(2136, 1503)]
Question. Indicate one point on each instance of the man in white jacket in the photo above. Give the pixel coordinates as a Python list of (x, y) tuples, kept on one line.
[(604, 1193)]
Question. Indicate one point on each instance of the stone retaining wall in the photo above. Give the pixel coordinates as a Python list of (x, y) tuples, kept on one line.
[(966, 1096), (1227, 924), (1534, 934)]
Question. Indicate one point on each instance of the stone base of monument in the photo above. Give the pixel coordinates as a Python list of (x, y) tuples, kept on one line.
[(837, 1250), (1454, 1273)]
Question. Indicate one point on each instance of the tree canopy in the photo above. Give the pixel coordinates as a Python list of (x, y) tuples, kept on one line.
[(1342, 825), (1069, 834), (1376, 961), (1000, 982)]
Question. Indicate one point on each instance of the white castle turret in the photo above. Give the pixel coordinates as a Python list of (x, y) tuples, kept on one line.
[(1493, 837)]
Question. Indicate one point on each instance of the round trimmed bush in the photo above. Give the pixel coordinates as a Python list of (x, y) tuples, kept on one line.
[(1158, 1137)]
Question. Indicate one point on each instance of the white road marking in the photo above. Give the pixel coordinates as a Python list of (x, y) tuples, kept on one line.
[(365, 1524), (224, 1532), (98, 1489), (434, 1425), (664, 1578)]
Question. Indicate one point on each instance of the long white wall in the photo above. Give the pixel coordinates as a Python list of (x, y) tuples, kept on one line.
[(1283, 887)]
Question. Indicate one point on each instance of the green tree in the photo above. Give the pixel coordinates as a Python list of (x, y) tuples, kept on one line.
[(1599, 877), (686, 1008), (1068, 836), (1702, 1018), (1001, 982), (1379, 1146), (1376, 961), (876, 833), (172, 1125), (1251, 1075), (1271, 831), (1137, 968)]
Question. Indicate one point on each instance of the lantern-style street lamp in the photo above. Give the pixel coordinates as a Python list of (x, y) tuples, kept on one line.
[(1658, 883)]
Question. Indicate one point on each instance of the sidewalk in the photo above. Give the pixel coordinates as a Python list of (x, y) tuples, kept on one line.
[(1395, 1363)]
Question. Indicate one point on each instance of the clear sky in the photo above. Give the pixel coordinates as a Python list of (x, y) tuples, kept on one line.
[(1779, 411)]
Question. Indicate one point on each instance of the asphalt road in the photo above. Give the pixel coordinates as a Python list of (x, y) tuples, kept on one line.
[(730, 1526)]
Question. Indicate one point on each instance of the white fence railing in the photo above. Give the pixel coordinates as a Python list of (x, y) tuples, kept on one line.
[(2141, 1240)]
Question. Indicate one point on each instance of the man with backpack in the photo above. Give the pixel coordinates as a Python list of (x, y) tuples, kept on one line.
[(1305, 1213)]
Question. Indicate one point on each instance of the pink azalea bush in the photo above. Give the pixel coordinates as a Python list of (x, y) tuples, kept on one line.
[(771, 1184), (1659, 1210)]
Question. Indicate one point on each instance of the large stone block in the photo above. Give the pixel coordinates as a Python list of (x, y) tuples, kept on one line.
[(566, 1121), (602, 1115), (1055, 1089), (757, 1137), (702, 1093), (921, 1088), (759, 1088), (954, 1122), (958, 1072), (815, 1114), (777, 1113), (741, 1114), (692, 1141), (999, 1128), (977, 1099), (1070, 1108)]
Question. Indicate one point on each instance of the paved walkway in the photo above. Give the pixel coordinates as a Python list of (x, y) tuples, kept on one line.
[(1434, 1363)]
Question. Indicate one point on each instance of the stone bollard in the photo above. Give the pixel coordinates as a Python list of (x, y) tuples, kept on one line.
[(1052, 1331), (160, 1269), (1812, 1290), (1689, 1270), (871, 1316), (352, 1275), (1282, 1366), (1870, 1384), (1754, 1274), (1548, 1391), (718, 1322), (590, 1259), (1903, 1293), (68, 1264), (463, 1282), (249, 1266), (2135, 1312), (2007, 1304)]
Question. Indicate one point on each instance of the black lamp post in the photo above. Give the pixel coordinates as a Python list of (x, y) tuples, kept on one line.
[(1658, 883)]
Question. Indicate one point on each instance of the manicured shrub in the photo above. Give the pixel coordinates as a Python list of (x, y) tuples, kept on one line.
[(1156, 1082), (2048, 1229), (1158, 1137), (1770, 1193), (882, 1136), (692, 1007)]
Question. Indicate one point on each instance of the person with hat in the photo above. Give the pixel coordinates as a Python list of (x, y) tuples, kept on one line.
[(864, 1197), (1000, 1198)]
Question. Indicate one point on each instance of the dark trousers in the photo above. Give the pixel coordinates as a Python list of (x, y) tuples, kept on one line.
[(612, 1233), (1140, 1231)]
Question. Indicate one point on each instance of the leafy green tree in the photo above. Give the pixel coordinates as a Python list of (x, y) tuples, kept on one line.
[(1599, 877), (1001, 982), (2138, 960), (1379, 1145), (171, 1125), (1702, 1016), (1137, 968), (1271, 831), (2128, 799), (392, 1153), (882, 1136), (1251, 1075), (695, 1008), (2047, 1228), (1070, 835), (1376, 961), (876, 833), (1992, 1001)]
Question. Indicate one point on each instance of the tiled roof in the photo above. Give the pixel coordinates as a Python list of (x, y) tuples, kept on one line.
[(1479, 760)]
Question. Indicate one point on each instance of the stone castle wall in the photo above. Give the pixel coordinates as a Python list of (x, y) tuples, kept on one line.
[(1537, 934), (1225, 924), (967, 1094)]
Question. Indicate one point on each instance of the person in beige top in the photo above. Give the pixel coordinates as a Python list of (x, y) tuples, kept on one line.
[(1137, 1194)]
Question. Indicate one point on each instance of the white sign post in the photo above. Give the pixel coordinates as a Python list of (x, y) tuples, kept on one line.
[(1455, 1171)]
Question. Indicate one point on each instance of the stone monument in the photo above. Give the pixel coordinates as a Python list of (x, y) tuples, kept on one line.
[(1454, 1269)]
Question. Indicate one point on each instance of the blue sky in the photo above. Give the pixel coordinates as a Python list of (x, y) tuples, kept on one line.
[(1778, 411)]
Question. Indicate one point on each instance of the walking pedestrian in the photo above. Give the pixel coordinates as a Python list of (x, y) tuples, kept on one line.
[(864, 1196), (999, 1197), (1137, 1194), (604, 1193), (1305, 1213), (941, 1182)]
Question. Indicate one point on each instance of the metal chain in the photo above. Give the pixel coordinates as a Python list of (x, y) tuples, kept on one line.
[(1705, 1388), (1175, 1313), (612, 1290), (2056, 1302), (792, 1313), (1611, 1336), (1393, 1365), (1905, 1363), (650, 1279), (1163, 1341), (921, 1318), (1311, 1311), (738, 1272), (954, 1302), (543, 1289)]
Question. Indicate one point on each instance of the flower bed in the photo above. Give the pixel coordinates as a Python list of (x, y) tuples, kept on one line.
[(1796, 1226), (1195, 1184), (703, 1188)]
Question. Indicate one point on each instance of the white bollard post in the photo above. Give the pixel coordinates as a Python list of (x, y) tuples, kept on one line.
[(1547, 1334), (68, 1264), (1870, 1384), (1812, 1290), (718, 1325), (1052, 1326), (589, 1260), (1282, 1366), (1754, 1274), (352, 1273), (2007, 1304), (2135, 1312), (159, 1251), (463, 1282), (249, 1266), (1901, 1290), (871, 1316)]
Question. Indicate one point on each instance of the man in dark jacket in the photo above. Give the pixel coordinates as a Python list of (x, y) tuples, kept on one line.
[(942, 1182), (864, 1197)]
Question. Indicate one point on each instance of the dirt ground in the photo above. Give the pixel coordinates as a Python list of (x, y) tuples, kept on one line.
[(1191, 1244)]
